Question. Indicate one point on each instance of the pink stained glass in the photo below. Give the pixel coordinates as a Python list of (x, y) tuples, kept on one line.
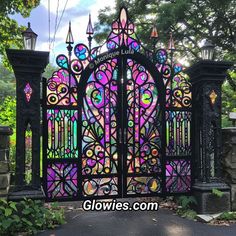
[(178, 176), (28, 92)]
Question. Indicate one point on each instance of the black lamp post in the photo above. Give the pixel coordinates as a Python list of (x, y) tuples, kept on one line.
[(207, 77), (28, 66), (90, 32), (29, 38), (207, 50)]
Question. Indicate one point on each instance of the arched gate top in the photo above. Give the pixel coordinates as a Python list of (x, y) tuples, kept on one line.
[(122, 37)]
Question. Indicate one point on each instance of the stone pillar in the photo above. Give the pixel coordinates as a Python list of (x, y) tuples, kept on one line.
[(5, 133), (28, 67), (229, 161), (207, 77)]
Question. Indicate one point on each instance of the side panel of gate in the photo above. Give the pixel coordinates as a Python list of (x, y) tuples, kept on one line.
[(60, 137)]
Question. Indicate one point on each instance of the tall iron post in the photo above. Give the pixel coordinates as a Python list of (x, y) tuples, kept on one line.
[(207, 77), (28, 66)]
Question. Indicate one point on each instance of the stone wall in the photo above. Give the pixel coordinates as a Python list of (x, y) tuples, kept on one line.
[(229, 161), (5, 133)]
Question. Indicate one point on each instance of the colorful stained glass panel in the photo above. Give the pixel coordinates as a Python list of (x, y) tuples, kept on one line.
[(28, 92), (62, 180), (178, 126), (143, 185), (62, 133), (143, 111), (100, 187), (99, 121), (123, 33), (178, 176), (62, 89)]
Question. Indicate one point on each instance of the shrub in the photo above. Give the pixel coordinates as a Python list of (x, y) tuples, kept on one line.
[(227, 216), (185, 203), (28, 216)]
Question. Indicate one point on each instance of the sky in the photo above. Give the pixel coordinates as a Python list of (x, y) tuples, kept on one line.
[(76, 11)]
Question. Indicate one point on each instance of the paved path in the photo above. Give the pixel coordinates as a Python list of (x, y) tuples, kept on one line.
[(160, 223)]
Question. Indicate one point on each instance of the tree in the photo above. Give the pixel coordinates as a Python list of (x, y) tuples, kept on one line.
[(7, 83), (10, 31), (190, 21), (50, 69)]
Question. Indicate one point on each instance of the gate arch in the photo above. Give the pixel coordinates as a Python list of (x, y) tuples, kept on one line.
[(117, 124)]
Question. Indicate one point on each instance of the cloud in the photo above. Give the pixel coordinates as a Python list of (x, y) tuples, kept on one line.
[(78, 15), (76, 11)]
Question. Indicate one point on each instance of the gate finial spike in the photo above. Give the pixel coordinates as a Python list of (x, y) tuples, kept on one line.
[(69, 41), (69, 37), (90, 32), (154, 37), (154, 33)]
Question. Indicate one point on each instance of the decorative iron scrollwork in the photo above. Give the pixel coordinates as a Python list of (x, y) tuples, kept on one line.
[(113, 131)]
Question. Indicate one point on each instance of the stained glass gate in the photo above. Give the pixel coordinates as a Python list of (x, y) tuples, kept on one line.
[(116, 124)]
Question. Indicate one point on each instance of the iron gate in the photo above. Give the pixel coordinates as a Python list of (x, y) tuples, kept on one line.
[(116, 124)]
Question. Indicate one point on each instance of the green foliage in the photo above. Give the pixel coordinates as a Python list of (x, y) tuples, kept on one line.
[(190, 21), (217, 192), (23, 7), (227, 216), (8, 117), (6, 89), (187, 213), (8, 112), (28, 216), (228, 98), (186, 201), (10, 31), (7, 83), (50, 69)]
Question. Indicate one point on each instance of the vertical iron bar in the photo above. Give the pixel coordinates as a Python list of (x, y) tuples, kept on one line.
[(45, 136)]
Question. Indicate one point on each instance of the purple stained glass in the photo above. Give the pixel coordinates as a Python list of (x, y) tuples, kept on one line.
[(123, 33), (81, 51), (143, 110), (62, 89), (62, 180), (178, 176), (28, 92), (99, 121)]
